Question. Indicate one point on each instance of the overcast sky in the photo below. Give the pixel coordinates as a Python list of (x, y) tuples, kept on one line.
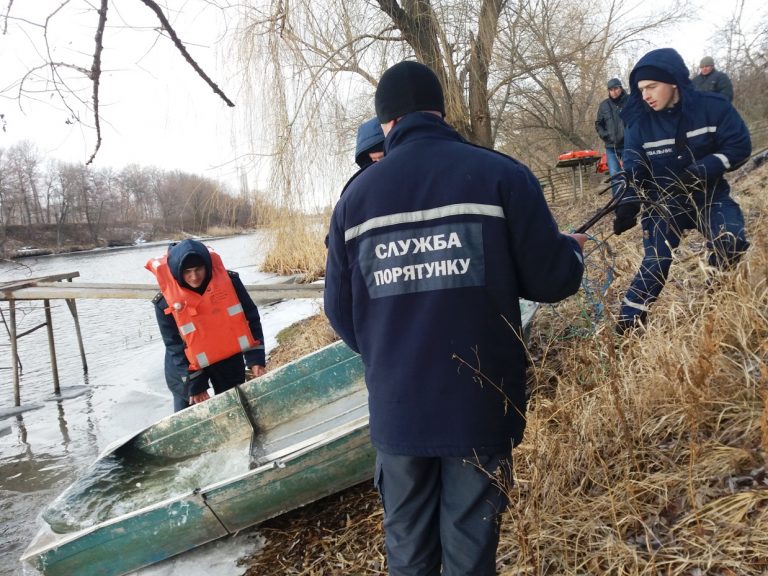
[(156, 110)]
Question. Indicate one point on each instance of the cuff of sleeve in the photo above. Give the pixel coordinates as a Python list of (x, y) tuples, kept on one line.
[(198, 383), (255, 357)]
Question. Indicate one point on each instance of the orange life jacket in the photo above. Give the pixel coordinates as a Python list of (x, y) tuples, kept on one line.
[(213, 324)]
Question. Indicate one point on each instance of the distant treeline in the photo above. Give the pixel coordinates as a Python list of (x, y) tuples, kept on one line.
[(53, 197)]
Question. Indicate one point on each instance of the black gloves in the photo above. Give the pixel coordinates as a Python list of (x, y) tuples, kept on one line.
[(626, 217)]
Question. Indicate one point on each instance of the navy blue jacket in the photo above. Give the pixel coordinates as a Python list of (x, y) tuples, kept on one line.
[(696, 141), (177, 375), (429, 250), (370, 138)]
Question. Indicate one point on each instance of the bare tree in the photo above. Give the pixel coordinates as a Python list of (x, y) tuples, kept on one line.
[(70, 81), (740, 48), (530, 65)]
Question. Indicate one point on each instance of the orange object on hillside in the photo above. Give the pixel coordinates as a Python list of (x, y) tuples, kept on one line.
[(577, 154), (602, 165)]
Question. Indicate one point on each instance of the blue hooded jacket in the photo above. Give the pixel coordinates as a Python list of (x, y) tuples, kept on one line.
[(370, 138), (695, 141), (429, 250)]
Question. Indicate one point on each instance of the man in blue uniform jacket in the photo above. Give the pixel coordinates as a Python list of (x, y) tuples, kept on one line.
[(429, 250), (678, 144)]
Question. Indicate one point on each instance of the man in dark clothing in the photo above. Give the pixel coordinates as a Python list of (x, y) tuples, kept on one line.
[(711, 80), (679, 144), (209, 324), (430, 250), (610, 128), (370, 143)]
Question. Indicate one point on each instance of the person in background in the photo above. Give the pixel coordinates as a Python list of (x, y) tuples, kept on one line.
[(370, 143), (209, 324), (711, 80), (429, 251), (610, 128), (678, 145)]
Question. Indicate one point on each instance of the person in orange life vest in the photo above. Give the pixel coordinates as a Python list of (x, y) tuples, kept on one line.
[(209, 324)]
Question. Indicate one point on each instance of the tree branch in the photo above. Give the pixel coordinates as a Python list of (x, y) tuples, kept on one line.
[(181, 48), (96, 74)]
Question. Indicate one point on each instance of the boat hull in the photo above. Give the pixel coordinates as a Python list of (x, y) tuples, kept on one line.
[(299, 433)]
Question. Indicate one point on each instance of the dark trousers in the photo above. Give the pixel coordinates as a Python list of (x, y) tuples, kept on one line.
[(720, 221), (442, 512), (223, 375)]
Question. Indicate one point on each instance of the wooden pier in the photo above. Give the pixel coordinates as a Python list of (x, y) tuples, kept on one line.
[(61, 287)]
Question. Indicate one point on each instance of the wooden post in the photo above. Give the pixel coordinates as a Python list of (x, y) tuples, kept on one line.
[(551, 183), (14, 352), (52, 346), (573, 177), (73, 310)]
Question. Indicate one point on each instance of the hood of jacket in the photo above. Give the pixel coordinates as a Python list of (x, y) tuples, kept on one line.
[(370, 138), (179, 251), (669, 60)]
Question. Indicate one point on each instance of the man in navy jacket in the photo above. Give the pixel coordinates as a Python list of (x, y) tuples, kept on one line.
[(429, 251), (678, 145)]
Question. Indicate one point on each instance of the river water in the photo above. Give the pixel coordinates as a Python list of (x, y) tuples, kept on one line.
[(43, 450)]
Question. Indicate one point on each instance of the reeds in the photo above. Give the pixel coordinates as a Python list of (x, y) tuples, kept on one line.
[(297, 247)]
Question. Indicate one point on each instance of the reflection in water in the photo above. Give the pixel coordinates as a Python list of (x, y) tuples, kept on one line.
[(21, 434), (63, 427)]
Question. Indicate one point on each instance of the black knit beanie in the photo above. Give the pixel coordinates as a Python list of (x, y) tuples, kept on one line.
[(408, 87), (654, 73), (192, 261)]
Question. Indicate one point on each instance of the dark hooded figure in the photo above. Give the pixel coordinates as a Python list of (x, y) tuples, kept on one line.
[(370, 143), (209, 324), (678, 144)]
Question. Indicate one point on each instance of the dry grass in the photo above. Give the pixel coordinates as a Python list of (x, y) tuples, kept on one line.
[(644, 455), (216, 231), (300, 339), (297, 247)]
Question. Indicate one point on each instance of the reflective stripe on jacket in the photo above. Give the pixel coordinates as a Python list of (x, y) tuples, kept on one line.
[(212, 325)]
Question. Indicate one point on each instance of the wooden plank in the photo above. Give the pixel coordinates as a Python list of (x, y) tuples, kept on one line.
[(261, 293), (16, 284)]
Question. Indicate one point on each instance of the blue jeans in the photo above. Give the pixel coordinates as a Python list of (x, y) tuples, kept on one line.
[(442, 512), (720, 221), (613, 156)]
